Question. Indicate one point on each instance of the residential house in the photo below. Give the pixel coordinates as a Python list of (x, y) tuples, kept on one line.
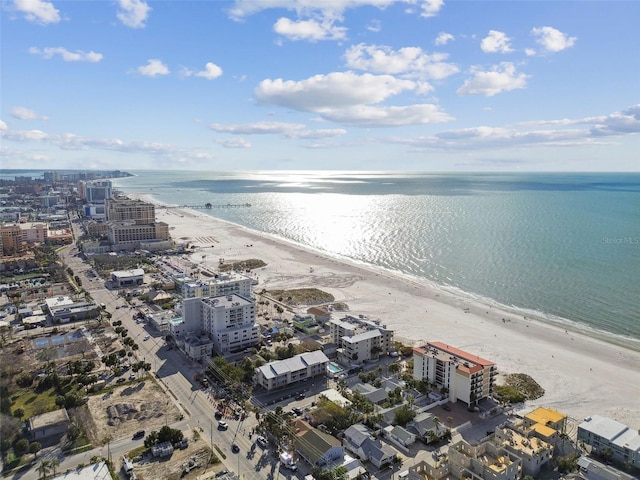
[(48, 428), (359, 440), (317, 448)]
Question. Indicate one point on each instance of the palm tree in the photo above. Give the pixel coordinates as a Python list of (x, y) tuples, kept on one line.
[(55, 463), (437, 423), (43, 468)]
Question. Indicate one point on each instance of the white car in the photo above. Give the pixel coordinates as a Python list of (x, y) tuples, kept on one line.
[(147, 337)]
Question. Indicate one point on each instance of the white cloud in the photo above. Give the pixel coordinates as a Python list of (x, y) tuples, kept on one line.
[(335, 90), (290, 130), (66, 55), (552, 40), (38, 11), (443, 38), (3, 126), (24, 135), (430, 8), (501, 78), (244, 8), (320, 133), (133, 13), (374, 116), (310, 30), (345, 97), (617, 124), (412, 61), (153, 68), (496, 42), (529, 52), (374, 26), (326, 8), (23, 113), (211, 72), (235, 142), (259, 128)]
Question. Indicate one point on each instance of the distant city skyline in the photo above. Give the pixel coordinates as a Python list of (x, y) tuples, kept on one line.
[(416, 85)]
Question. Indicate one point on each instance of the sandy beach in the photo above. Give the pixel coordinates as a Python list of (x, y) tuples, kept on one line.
[(580, 374)]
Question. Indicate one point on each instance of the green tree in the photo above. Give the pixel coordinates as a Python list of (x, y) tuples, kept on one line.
[(403, 415), (35, 447), (43, 468), (21, 447)]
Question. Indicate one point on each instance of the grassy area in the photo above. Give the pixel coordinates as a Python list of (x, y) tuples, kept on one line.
[(301, 296), (518, 387), (242, 265), (33, 403), (136, 451)]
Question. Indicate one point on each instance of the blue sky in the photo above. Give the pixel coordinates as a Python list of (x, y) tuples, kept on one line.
[(420, 85)]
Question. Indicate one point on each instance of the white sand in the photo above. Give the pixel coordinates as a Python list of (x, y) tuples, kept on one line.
[(581, 375)]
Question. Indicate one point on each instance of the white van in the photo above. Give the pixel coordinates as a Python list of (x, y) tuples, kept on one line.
[(404, 474)]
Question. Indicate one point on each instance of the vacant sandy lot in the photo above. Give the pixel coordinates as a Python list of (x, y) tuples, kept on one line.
[(125, 410)]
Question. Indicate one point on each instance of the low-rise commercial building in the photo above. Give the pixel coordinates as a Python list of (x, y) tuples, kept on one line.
[(127, 278)]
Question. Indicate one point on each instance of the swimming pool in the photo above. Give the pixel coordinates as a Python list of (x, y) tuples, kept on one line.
[(334, 368)]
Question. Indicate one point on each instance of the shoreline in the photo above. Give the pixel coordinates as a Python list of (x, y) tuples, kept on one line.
[(581, 374)]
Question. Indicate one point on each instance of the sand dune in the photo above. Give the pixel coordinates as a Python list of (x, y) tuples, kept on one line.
[(580, 374)]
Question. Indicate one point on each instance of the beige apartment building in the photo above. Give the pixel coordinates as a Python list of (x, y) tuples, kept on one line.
[(11, 240), (141, 213), (465, 376), (129, 235)]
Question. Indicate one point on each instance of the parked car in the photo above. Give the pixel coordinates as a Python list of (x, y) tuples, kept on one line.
[(235, 448), (300, 396), (262, 442), (223, 425), (138, 434), (146, 337), (221, 473), (218, 414), (121, 380)]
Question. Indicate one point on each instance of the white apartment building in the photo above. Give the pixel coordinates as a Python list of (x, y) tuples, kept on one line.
[(228, 319), (605, 433), (360, 340), (221, 284), (298, 368), (467, 377)]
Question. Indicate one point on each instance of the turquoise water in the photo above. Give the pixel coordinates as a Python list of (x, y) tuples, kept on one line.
[(334, 368), (565, 246)]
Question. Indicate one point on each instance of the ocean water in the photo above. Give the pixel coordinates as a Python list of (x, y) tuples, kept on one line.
[(563, 246)]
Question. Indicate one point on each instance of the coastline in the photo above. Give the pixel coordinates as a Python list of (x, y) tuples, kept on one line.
[(582, 375)]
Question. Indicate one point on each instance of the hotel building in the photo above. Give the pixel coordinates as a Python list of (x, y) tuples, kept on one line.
[(119, 210), (466, 377)]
